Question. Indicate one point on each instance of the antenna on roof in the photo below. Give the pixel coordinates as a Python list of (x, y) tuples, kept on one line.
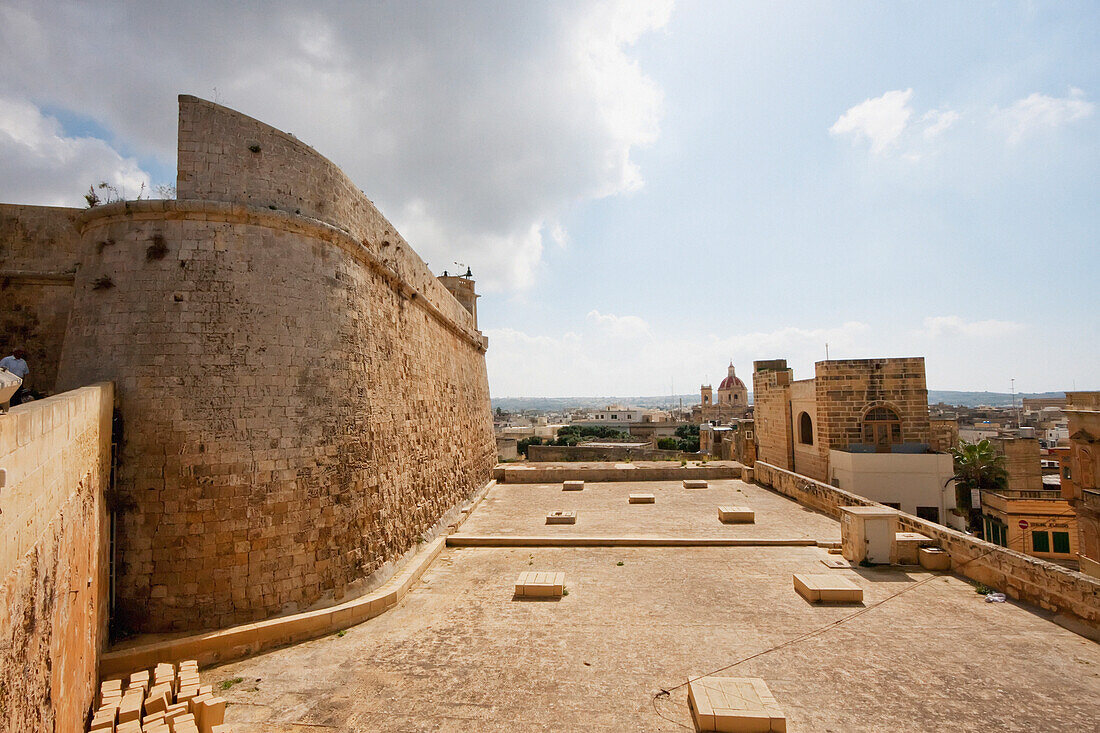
[(826, 351)]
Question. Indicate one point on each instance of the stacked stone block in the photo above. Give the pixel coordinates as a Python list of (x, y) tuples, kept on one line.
[(170, 700)]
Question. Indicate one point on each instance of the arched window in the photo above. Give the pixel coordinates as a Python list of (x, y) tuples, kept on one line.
[(805, 429), (881, 428)]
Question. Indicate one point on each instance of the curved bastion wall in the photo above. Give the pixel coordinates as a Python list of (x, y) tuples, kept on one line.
[(297, 409)]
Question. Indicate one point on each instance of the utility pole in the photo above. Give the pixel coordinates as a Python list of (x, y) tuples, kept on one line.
[(1014, 407)]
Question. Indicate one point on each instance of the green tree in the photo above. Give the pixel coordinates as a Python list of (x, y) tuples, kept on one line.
[(573, 434), (977, 466), (668, 444), (689, 438), (687, 432), (522, 444)]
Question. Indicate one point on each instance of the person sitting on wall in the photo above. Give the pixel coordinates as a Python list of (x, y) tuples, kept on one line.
[(17, 365)]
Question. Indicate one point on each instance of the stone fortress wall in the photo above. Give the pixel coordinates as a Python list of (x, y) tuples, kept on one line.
[(56, 454), (302, 400), (38, 259), (228, 156)]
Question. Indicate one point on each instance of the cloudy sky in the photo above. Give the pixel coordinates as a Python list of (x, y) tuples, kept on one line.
[(645, 189)]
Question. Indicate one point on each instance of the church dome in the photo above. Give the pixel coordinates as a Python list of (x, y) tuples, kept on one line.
[(730, 382)]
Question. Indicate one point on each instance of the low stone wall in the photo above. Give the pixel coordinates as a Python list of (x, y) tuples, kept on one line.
[(53, 525), (1020, 576), (544, 453), (548, 473)]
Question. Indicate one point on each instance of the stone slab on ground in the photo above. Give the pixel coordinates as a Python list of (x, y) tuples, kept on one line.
[(933, 558), (540, 584), (818, 588), (735, 705), (641, 499), (572, 485), (736, 515), (561, 517), (690, 483)]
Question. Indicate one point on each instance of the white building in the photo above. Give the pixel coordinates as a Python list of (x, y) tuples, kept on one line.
[(916, 483)]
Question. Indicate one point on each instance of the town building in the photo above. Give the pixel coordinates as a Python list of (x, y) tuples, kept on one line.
[(732, 401), (1029, 514), (733, 442), (1081, 475), (1036, 521), (861, 425), (612, 416)]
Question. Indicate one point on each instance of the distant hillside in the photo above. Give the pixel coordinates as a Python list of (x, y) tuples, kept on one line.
[(561, 404), (558, 404), (976, 399)]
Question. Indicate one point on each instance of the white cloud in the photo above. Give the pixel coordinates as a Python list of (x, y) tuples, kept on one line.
[(1039, 111), (622, 355), (40, 164), (891, 126), (953, 326), (937, 121), (473, 126), (621, 327), (880, 120)]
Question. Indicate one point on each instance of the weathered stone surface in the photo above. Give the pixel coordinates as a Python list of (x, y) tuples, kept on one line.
[(38, 257), (53, 566), (292, 389)]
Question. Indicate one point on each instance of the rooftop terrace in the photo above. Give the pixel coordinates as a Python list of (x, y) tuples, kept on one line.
[(459, 652)]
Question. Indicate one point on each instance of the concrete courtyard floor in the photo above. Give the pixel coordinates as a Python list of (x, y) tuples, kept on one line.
[(603, 511), (459, 653)]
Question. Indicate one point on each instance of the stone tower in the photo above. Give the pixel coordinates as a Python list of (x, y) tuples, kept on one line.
[(732, 391)]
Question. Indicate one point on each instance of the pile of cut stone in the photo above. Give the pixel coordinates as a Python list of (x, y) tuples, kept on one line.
[(171, 701)]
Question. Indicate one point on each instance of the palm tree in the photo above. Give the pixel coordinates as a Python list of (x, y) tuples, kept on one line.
[(977, 466)]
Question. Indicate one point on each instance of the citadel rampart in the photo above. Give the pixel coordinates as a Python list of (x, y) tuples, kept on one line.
[(38, 260), (53, 567), (301, 398)]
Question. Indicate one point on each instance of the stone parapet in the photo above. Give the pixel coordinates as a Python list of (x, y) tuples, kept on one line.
[(548, 473), (55, 454), (1047, 585)]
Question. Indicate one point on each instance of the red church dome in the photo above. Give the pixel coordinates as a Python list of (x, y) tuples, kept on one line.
[(731, 382)]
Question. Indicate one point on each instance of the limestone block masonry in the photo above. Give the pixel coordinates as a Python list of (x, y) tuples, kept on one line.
[(301, 399), (53, 565), (38, 259), (1052, 587)]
